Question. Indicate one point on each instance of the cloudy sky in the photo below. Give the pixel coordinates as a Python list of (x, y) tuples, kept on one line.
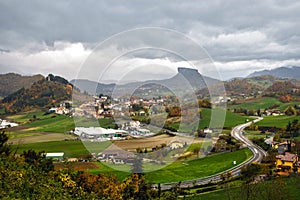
[(59, 37)]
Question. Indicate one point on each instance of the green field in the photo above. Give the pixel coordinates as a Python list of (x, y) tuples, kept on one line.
[(183, 170), (25, 117), (283, 106), (258, 104), (2, 111), (57, 123), (70, 148), (63, 124), (177, 171), (198, 168), (195, 146), (104, 168), (256, 134), (37, 121), (231, 119), (277, 121), (264, 103), (289, 189)]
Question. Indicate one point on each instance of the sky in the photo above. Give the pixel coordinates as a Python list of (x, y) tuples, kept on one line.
[(81, 39)]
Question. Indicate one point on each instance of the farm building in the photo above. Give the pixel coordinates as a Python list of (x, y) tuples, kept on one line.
[(6, 124), (56, 156), (100, 133)]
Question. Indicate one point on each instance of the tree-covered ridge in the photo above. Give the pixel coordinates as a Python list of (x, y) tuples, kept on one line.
[(43, 93), (232, 87), (11, 82), (285, 87), (238, 86)]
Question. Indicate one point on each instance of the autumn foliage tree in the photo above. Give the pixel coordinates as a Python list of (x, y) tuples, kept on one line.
[(285, 98), (174, 111), (32, 176)]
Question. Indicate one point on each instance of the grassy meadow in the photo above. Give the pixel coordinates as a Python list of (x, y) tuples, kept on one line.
[(231, 119), (288, 188), (277, 121), (75, 148), (70, 148), (263, 103), (182, 170)]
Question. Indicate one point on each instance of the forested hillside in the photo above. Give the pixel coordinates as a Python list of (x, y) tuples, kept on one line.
[(44, 93), (10, 83)]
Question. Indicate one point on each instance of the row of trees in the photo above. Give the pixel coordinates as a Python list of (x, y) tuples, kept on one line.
[(247, 112), (290, 110)]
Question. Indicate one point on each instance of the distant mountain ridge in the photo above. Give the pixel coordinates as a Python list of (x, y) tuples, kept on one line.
[(93, 87), (185, 77), (281, 72)]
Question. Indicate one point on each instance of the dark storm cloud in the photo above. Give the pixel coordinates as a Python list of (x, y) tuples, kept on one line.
[(229, 30)]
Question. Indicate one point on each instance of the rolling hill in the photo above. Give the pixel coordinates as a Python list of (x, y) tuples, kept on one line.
[(11, 82), (233, 87), (43, 93), (93, 87)]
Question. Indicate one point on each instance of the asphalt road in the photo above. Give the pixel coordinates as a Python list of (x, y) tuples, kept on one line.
[(238, 133)]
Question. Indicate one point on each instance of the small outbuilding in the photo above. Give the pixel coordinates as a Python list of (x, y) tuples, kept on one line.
[(59, 156)]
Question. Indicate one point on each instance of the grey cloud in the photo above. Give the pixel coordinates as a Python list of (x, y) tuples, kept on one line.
[(37, 25)]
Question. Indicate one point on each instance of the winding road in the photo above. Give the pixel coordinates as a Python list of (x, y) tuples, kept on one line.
[(237, 133)]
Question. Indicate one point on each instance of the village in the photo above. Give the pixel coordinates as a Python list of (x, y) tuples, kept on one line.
[(105, 107)]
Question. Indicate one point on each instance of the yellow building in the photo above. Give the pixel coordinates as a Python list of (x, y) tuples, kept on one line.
[(286, 163)]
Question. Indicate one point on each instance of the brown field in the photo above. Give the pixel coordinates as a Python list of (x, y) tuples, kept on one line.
[(149, 143), (17, 128), (24, 138), (80, 166)]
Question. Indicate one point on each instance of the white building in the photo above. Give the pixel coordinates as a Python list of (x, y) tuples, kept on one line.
[(55, 156), (207, 131), (7, 124), (135, 124), (99, 133)]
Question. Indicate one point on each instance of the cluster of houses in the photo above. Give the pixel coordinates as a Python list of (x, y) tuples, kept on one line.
[(273, 112), (221, 99), (134, 129), (286, 162), (105, 106), (64, 108)]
